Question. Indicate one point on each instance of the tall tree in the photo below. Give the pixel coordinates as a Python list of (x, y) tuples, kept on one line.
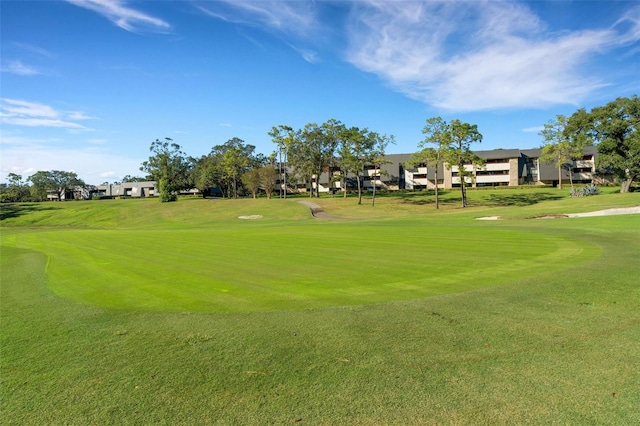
[(436, 142), (16, 190), (252, 180), (616, 129), (353, 151), (238, 157), (206, 174), (311, 151), (268, 178), (58, 181), (282, 136), (560, 148), (459, 153), (377, 158), (231, 160), (168, 166)]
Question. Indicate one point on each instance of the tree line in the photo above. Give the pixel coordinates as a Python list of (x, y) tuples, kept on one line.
[(301, 156), (351, 154)]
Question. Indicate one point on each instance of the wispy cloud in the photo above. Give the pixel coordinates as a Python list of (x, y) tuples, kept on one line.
[(18, 68), (297, 19), (534, 129), (629, 26), (124, 17), (78, 115), (32, 49), (32, 114), (470, 56), (308, 55)]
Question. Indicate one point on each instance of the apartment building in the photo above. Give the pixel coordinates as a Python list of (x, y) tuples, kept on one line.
[(502, 167), (505, 167)]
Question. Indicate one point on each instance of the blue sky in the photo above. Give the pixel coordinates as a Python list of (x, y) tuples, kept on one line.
[(87, 85)]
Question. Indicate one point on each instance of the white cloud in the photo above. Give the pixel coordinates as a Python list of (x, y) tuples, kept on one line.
[(124, 17), (78, 115), (17, 107), (297, 17), (110, 175), (629, 26), (18, 68), (33, 114), (534, 129), (41, 122), (470, 56), (308, 55), (33, 49)]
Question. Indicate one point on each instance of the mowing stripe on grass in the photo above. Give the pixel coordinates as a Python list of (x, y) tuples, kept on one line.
[(290, 267)]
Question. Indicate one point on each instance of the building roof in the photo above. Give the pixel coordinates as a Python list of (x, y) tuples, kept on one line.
[(496, 154)]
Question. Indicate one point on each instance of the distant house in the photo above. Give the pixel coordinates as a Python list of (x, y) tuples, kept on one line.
[(128, 189), (74, 193)]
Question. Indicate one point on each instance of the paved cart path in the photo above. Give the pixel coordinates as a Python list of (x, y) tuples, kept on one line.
[(319, 213)]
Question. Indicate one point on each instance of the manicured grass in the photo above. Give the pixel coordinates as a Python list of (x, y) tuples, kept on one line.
[(442, 320), (300, 266)]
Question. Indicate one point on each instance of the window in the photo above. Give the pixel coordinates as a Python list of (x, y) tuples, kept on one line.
[(492, 172), (485, 184), (582, 170)]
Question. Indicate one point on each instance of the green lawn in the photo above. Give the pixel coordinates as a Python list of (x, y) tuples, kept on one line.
[(137, 312)]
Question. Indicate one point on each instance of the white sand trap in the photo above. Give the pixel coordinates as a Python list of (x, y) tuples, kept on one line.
[(251, 217), (608, 212), (488, 218)]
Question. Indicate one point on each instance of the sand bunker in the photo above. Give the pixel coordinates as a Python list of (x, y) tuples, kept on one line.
[(251, 217), (607, 212)]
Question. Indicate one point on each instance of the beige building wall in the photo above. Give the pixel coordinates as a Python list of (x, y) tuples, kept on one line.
[(514, 179)]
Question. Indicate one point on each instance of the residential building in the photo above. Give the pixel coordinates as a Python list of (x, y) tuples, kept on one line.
[(128, 189), (505, 167)]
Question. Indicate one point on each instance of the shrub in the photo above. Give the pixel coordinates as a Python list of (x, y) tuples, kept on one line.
[(590, 189), (167, 197), (585, 191)]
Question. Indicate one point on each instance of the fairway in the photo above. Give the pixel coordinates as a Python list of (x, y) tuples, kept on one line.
[(137, 312)]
